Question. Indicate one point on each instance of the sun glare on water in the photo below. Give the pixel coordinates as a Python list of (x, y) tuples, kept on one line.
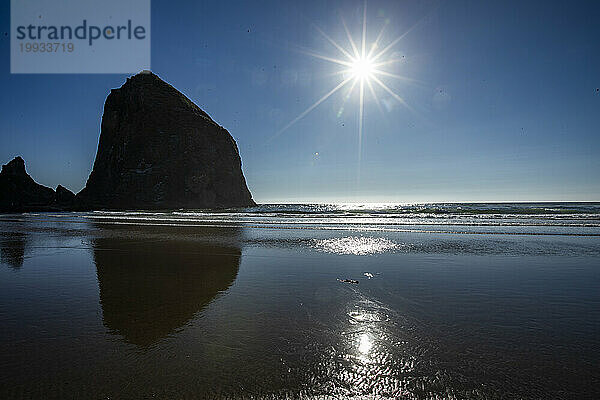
[(354, 245)]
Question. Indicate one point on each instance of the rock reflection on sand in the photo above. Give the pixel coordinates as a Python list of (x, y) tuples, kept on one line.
[(154, 283), (12, 248)]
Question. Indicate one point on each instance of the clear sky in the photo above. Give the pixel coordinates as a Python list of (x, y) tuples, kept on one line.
[(501, 102)]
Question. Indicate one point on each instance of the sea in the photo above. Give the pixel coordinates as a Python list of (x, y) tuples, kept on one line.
[(303, 301)]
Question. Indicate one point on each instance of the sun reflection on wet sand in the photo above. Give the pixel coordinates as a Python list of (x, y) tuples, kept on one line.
[(365, 344), (355, 245), (371, 359)]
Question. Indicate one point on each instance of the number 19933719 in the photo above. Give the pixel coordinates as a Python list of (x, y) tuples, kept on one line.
[(47, 47)]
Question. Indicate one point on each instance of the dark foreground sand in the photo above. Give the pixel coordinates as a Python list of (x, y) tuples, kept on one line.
[(133, 309)]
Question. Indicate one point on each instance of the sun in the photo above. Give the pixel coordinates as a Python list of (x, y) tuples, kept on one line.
[(362, 68)]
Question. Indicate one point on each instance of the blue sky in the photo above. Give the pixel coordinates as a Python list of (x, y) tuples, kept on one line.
[(502, 103)]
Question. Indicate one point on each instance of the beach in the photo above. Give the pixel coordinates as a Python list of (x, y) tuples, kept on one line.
[(453, 301)]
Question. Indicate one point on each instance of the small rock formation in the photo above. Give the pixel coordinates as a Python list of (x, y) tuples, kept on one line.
[(19, 192), (157, 150), (64, 197)]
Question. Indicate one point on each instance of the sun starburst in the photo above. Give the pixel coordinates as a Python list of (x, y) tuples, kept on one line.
[(360, 67)]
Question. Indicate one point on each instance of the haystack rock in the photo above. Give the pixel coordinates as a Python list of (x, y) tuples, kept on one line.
[(158, 150), (18, 190)]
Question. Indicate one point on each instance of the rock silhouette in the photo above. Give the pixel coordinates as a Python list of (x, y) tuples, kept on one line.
[(158, 150), (19, 192), (64, 197)]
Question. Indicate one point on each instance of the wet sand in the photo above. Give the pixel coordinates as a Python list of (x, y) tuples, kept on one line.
[(97, 308)]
